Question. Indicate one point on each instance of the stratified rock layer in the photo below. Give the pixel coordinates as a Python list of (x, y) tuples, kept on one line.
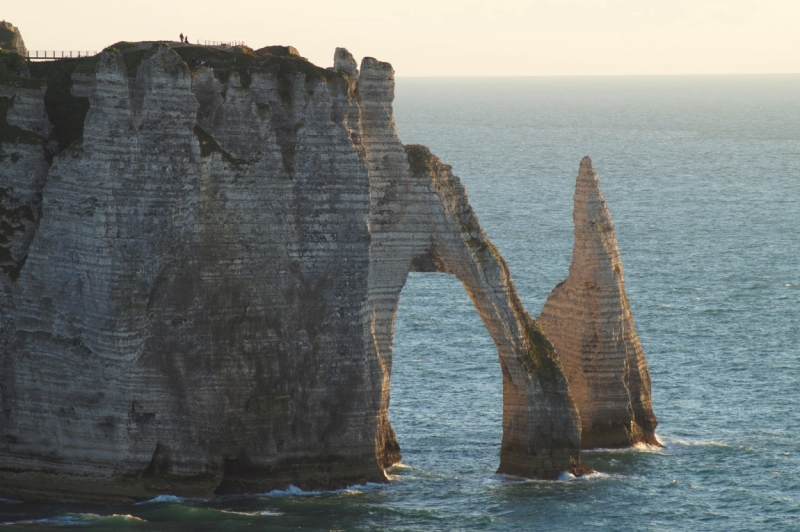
[(588, 319), (199, 292)]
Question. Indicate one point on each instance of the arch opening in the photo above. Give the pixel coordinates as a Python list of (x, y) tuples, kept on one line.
[(447, 398), (425, 224)]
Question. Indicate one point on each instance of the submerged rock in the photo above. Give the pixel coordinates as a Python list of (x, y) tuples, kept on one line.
[(202, 298), (588, 319)]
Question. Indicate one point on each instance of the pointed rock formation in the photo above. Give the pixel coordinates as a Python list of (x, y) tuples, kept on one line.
[(11, 38), (589, 320), (343, 61)]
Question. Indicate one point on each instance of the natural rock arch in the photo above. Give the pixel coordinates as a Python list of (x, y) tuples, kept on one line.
[(541, 434), (421, 220)]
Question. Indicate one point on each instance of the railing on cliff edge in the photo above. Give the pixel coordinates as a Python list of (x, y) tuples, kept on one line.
[(57, 55), (53, 55), (227, 44)]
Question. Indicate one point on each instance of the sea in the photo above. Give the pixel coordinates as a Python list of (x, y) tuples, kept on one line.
[(702, 178)]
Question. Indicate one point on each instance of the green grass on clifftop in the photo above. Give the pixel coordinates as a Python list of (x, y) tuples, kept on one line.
[(14, 72)]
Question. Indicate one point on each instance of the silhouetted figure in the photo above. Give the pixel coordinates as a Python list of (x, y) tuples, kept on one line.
[(187, 39), (181, 38)]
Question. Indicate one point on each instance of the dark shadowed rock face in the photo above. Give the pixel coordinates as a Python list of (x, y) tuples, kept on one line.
[(199, 288), (588, 319)]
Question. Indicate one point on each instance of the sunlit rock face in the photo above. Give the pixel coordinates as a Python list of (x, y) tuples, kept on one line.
[(199, 291), (588, 319)]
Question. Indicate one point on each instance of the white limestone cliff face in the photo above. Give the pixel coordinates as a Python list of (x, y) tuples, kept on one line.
[(588, 318), (211, 275)]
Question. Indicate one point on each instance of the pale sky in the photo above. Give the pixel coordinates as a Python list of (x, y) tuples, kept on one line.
[(449, 37)]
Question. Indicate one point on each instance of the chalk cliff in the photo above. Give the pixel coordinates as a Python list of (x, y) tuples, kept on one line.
[(202, 254), (588, 319)]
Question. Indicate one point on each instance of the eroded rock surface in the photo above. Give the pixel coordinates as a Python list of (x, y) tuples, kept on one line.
[(588, 319), (202, 299)]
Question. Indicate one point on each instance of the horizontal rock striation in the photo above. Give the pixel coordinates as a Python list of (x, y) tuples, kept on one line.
[(202, 254), (588, 319)]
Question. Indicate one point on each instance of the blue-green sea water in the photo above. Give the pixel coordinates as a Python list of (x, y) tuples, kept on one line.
[(702, 177)]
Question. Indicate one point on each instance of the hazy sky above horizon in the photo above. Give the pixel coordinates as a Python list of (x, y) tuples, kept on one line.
[(451, 38)]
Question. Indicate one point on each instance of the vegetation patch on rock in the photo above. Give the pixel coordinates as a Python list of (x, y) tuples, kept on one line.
[(14, 71)]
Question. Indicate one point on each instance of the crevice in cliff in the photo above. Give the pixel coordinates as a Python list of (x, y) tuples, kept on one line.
[(209, 145), (286, 138), (133, 60), (66, 112), (160, 464)]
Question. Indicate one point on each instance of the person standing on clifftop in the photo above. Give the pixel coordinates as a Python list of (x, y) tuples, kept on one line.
[(186, 40), (181, 38)]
